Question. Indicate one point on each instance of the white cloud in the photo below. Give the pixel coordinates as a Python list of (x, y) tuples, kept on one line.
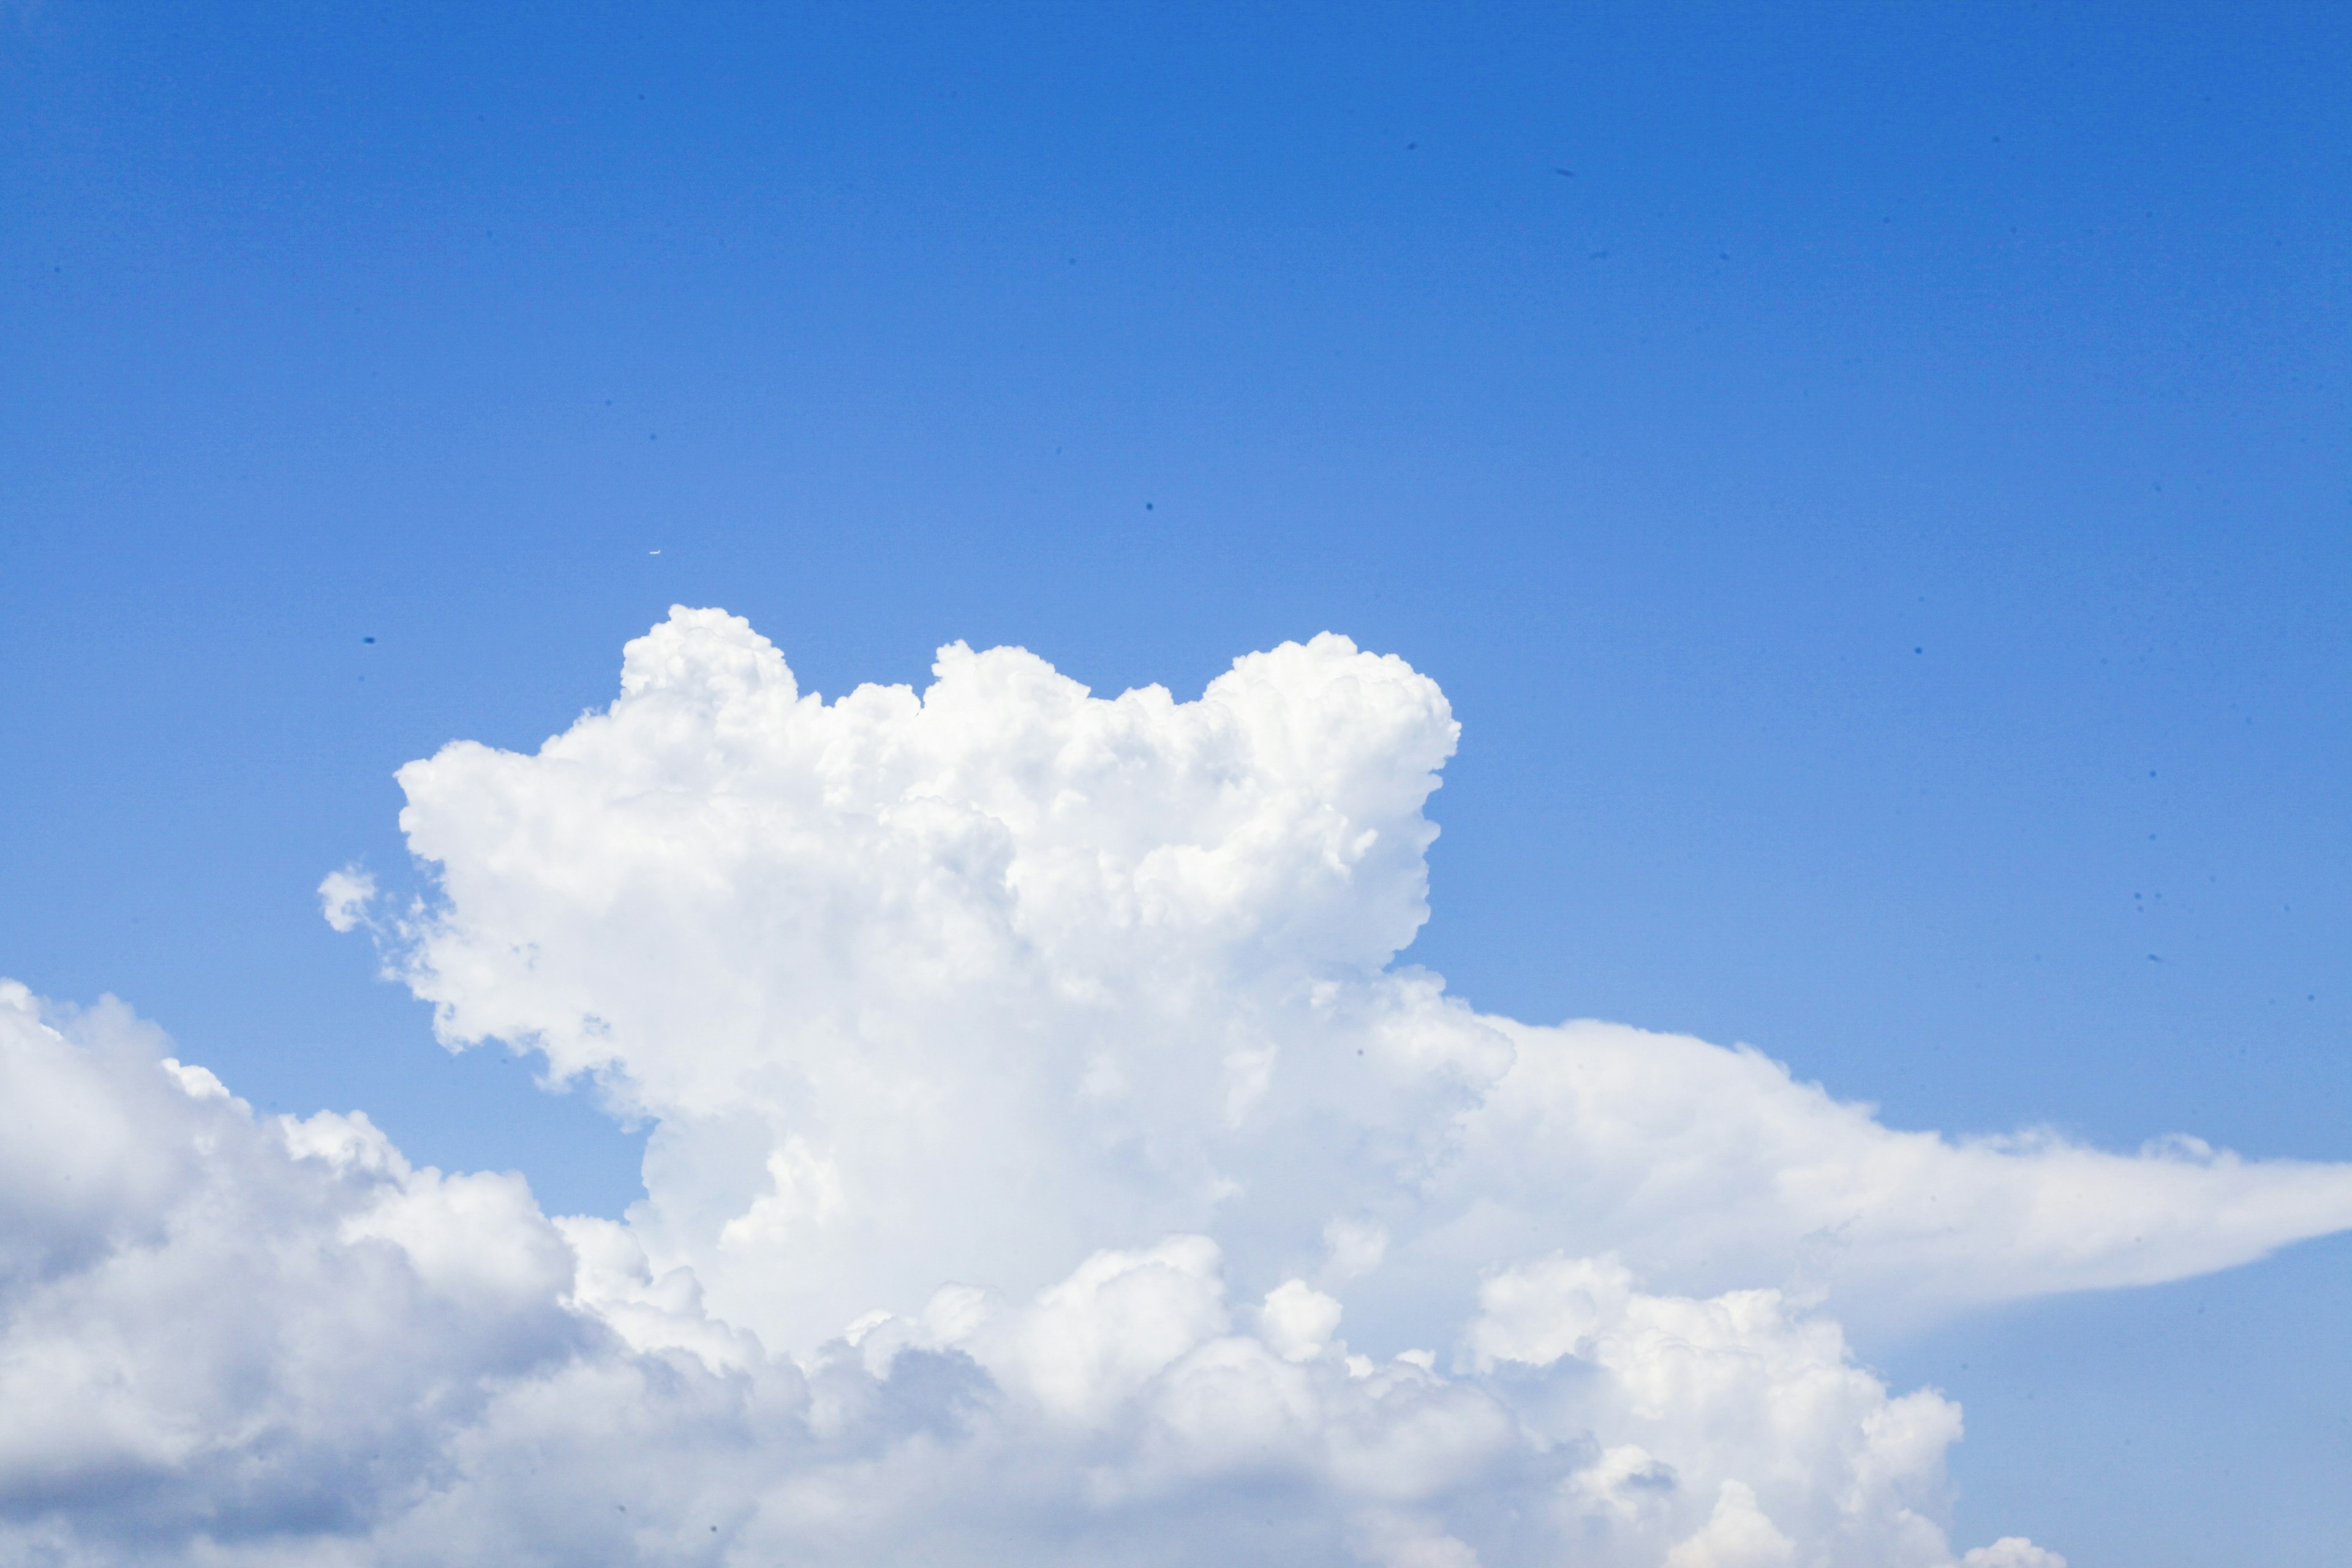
[(970, 983), (281, 1342), (2011, 1552), (227, 1325), (1000, 1041), (1736, 1535), (1298, 1320), (1739, 1397), (344, 897)]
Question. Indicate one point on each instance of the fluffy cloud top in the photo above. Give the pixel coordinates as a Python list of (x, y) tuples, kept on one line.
[(1051, 1164)]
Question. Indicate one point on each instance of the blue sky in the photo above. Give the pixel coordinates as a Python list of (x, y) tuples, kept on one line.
[(1872, 484)]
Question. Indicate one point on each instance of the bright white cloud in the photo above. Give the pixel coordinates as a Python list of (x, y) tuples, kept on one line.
[(344, 897), (1051, 1165), (967, 984)]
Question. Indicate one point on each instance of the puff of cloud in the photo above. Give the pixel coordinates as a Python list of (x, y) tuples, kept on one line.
[(2011, 1552), (344, 897), (1298, 1320)]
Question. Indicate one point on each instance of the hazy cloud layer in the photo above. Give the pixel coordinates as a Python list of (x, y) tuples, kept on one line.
[(1050, 1167)]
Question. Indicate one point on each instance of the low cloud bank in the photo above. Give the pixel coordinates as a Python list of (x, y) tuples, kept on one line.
[(1051, 1164)]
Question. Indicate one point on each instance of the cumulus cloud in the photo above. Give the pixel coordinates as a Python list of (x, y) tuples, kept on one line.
[(263, 1340), (233, 1326), (1052, 1163), (965, 985)]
